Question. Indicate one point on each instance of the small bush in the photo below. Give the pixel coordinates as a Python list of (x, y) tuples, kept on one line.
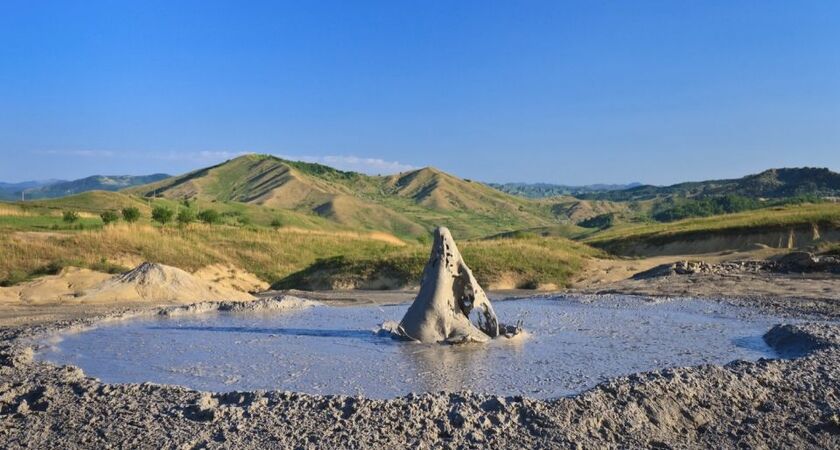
[(276, 223), (131, 214), (209, 216), (162, 215), (70, 216), (109, 217), (185, 216)]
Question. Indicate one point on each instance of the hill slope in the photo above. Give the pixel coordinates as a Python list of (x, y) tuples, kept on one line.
[(58, 188), (772, 183), (11, 191), (544, 190), (407, 204)]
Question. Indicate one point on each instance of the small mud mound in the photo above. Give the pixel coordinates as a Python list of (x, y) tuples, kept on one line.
[(157, 282)]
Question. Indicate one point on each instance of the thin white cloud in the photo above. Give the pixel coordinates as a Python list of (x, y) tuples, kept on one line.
[(356, 163), (84, 153), (342, 162)]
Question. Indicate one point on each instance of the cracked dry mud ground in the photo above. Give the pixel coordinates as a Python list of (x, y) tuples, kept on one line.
[(790, 403)]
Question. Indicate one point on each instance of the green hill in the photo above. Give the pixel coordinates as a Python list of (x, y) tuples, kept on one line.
[(772, 183), (407, 204), (92, 183)]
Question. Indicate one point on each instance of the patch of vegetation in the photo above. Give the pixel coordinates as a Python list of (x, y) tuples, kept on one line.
[(601, 221), (162, 214), (805, 215), (70, 216), (210, 216), (526, 262), (682, 208), (186, 216), (131, 214), (109, 217), (17, 276)]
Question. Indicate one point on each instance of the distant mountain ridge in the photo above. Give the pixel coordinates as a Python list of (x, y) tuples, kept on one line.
[(544, 190), (772, 183), (32, 190)]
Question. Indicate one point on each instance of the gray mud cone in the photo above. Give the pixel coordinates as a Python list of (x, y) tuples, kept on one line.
[(451, 306)]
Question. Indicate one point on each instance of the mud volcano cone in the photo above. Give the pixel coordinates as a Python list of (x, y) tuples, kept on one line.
[(451, 306)]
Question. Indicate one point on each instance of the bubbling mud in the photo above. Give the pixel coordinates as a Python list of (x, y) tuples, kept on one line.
[(571, 345)]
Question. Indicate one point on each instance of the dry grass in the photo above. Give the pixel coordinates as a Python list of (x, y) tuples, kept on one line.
[(14, 211), (268, 253), (275, 255), (527, 262)]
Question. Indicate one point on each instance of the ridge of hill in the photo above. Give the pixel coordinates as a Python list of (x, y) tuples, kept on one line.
[(771, 183), (406, 204), (33, 190), (545, 190)]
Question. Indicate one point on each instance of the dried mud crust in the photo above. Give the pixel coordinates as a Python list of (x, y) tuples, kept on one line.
[(792, 403)]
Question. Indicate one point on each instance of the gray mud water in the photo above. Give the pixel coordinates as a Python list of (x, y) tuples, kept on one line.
[(571, 346)]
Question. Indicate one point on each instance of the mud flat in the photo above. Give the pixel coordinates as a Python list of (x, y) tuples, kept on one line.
[(792, 402)]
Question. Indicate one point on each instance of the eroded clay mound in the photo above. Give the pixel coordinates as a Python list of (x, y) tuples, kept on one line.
[(157, 282), (450, 307)]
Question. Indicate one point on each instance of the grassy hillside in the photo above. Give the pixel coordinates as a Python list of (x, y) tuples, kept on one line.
[(285, 247), (773, 183), (805, 217), (545, 190), (92, 183), (46, 214), (408, 204)]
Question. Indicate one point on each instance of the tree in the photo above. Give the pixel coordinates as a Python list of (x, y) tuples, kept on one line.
[(162, 214), (109, 217), (70, 216), (209, 216), (131, 214), (185, 216)]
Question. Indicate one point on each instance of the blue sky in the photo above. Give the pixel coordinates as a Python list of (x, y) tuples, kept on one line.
[(568, 92)]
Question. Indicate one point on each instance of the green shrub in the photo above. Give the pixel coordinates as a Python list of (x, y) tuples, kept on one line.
[(109, 217), (162, 214), (276, 223), (209, 216), (70, 216), (185, 216), (131, 214)]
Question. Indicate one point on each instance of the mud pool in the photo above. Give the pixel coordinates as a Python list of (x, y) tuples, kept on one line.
[(571, 346)]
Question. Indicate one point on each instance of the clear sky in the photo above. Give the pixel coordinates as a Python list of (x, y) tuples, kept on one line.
[(569, 92)]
